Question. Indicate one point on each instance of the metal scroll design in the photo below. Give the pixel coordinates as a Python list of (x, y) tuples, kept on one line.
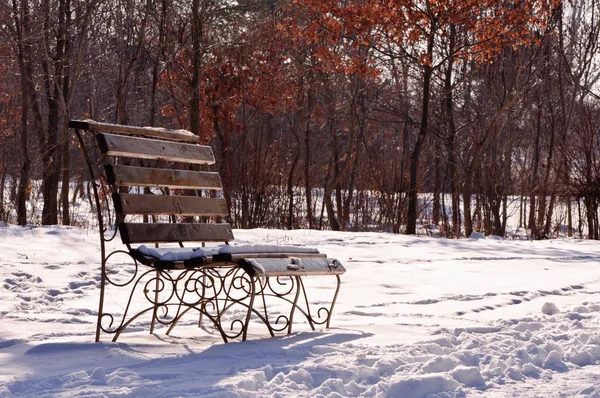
[(218, 296), (222, 297), (222, 294), (290, 291)]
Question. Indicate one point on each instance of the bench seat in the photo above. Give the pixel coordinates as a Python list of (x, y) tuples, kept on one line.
[(191, 257)]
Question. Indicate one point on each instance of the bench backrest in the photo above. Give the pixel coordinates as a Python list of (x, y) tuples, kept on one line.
[(143, 167)]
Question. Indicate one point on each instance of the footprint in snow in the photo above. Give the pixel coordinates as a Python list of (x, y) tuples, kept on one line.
[(21, 282)]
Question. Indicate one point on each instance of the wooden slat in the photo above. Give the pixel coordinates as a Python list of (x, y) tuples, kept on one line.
[(236, 257), (163, 233), (148, 177), (149, 132), (145, 148), (164, 204), (274, 267)]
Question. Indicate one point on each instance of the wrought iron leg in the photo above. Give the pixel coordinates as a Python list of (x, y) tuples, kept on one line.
[(295, 304), (202, 309), (264, 300), (250, 308), (101, 304), (203, 305), (308, 315), (156, 288), (181, 301), (337, 290)]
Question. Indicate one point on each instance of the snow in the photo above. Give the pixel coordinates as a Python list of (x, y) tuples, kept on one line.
[(415, 317), (550, 309)]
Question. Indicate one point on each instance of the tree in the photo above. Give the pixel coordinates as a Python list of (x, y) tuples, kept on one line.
[(20, 31), (415, 28)]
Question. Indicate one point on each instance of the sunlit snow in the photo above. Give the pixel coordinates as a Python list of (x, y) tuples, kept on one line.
[(416, 317)]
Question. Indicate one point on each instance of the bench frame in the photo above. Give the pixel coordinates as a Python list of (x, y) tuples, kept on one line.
[(212, 286)]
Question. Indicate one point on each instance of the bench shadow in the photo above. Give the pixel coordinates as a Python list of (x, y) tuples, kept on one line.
[(200, 369)]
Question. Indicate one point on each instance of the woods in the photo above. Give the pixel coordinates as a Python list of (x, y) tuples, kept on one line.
[(407, 116)]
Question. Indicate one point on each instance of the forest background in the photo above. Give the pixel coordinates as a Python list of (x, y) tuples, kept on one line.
[(449, 116)]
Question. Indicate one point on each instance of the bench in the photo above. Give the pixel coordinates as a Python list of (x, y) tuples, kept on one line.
[(151, 188)]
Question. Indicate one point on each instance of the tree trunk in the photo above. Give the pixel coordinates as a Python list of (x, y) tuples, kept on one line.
[(350, 193), (569, 217), (2, 187), (52, 166), (197, 34), (328, 191), (506, 185), (55, 68), (26, 162), (307, 181), (590, 211), (66, 177), (448, 109), (161, 42), (411, 217), (549, 214), (3, 173), (437, 188), (333, 223), (22, 23), (78, 192), (12, 194), (534, 176), (504, 215), (339, 206), (290, 186), (579, 218), (335, 165), (23, 180), (468, 189)]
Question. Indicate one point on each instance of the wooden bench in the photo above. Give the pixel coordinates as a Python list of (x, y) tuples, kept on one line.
[(162, 200)]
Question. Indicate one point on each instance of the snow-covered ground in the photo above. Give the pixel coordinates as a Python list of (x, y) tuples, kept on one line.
[(415, 317)]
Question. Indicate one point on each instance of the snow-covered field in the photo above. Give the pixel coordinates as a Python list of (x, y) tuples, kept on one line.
[(415, 317)]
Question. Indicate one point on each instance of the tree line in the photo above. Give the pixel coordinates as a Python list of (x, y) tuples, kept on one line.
[(321, 114)]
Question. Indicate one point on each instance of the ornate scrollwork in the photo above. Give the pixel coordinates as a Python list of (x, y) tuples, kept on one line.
[(284, 323), (241, 283), (160, 289), (273, 285), (107, 274), (224, 296), (220, 295), (294, 294), (107, 329)]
